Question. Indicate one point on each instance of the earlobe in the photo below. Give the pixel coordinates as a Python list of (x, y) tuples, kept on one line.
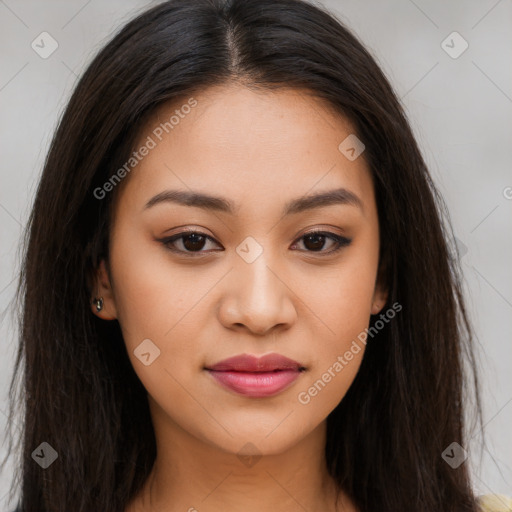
[(103, 303), (377, 306), (380, 294), (99, 303), (379, 300)]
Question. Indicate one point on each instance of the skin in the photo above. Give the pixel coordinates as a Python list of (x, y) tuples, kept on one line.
[(258, 150)]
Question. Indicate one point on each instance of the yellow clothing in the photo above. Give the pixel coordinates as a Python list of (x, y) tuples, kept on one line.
[(495, 503)]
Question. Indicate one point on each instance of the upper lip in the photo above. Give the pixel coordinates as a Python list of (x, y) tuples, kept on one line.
[(249, 363)]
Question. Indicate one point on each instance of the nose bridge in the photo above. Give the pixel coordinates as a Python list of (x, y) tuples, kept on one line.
[(259, 285), (258, 296)]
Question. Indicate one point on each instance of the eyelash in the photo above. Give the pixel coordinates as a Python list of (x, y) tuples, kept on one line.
[(341, 242)]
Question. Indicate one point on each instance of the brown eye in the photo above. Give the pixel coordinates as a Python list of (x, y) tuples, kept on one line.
[(315, 241), (193, 242), (187, 242)]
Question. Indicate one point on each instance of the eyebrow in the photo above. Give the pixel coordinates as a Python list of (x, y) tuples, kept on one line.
[(220, 204)]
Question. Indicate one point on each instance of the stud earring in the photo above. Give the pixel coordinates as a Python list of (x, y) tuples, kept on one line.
[(99, 303)]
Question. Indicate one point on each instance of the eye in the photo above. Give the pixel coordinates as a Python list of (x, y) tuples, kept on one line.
[(314, 241), (188, 242)]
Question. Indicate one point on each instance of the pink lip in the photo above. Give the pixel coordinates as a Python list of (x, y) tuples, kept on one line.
[(256, 377)]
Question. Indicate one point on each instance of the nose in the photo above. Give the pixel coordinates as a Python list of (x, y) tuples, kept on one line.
[(257, 299)]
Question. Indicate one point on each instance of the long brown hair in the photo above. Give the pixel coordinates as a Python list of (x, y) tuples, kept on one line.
[(79, 392)]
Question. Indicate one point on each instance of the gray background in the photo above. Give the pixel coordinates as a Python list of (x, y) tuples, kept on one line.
[(460, 110)]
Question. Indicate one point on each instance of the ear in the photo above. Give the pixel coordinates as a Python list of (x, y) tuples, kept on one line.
[(104, 290), (380, 297), (380, 294)]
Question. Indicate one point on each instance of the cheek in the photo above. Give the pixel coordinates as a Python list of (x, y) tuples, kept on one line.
[(328, 384), (146, 285), (342, 302), (344, 308), (155, 309), (341, 298)]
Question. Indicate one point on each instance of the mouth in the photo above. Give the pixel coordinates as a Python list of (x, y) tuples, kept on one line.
[(256, 377)]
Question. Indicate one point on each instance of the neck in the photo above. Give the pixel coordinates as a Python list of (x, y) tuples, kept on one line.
[(193, 475)]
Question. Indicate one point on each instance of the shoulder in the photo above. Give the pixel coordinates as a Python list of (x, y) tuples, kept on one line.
[(495, 503)]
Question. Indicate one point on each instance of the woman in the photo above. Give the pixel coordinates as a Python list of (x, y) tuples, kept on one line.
[(237, 292)]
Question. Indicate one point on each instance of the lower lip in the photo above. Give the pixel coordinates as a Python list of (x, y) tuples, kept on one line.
[(256, 384)]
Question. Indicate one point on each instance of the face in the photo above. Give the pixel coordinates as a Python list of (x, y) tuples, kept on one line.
[(268, 270)]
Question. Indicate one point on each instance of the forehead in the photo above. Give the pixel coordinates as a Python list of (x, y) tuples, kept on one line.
[(257, 147)]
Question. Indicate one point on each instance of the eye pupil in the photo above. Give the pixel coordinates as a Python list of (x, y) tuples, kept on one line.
[(193, 241), (319, 238)]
